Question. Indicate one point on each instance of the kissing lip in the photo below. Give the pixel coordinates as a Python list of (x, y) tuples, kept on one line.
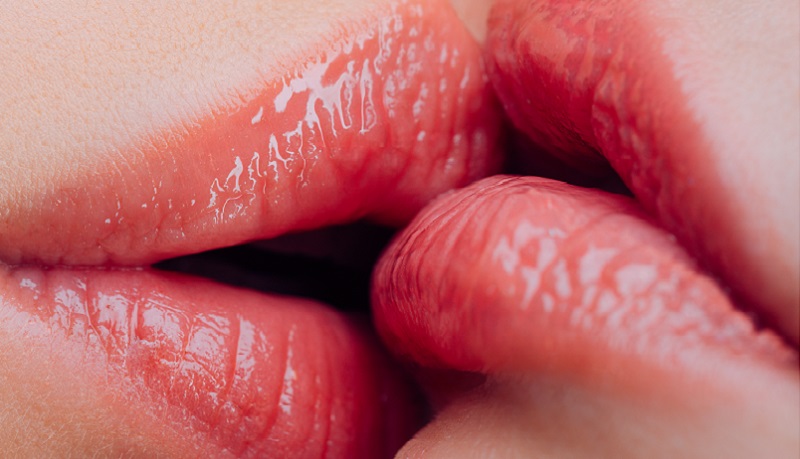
[(524, 277), (643, 88), (588, 269), (373, 124), (228, 370)]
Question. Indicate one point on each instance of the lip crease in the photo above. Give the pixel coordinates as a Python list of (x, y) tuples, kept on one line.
[(373, 125)]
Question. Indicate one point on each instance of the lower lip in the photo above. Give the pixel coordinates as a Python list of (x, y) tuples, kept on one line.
[(243, 372), (531, 275)]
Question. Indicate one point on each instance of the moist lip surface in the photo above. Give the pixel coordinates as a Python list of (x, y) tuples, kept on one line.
[(239, 372), (528, 274), (694, 104), (372, 123), (595, 331)]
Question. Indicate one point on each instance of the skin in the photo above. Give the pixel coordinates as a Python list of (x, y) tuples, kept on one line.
[(494, 417)]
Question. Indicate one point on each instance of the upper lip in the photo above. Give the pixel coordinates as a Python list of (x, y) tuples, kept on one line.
[(366, 127)]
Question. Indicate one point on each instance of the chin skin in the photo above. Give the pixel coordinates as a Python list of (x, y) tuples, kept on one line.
[(545, 417), (551, 418), (55, 409)]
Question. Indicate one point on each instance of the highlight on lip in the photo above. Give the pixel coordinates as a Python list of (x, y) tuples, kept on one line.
[(372, 124), (588, 299)]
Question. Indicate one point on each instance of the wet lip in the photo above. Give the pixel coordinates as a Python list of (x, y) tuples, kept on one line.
[(573, 282), (374, 125), (532, 284), (237, 371)]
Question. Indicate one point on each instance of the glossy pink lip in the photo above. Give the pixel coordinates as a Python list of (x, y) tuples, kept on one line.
[(375, 125), (241, 372), (531, 275)]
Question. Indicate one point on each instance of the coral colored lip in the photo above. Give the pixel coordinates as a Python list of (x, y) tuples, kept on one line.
[(531, 275), (240, 372), (374, 125)]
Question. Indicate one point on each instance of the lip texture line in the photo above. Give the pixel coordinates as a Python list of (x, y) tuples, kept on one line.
[(375, 124)]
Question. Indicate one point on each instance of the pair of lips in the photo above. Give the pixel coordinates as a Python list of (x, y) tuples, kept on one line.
[(376, 126), (373, 124), (572, 80)]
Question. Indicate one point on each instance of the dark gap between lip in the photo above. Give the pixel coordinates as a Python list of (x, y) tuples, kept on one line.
[(332, 265), (524, 157)]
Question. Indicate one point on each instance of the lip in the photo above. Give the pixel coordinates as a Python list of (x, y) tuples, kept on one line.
[(372, 125), (574, 283), (245, 373)]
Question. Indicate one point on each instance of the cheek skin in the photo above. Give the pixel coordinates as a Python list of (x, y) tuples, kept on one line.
[(474, 13), (549, 418)]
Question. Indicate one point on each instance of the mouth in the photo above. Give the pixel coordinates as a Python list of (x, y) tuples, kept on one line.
[(161, 291), (331, 265), (536, 284), (362, 127)]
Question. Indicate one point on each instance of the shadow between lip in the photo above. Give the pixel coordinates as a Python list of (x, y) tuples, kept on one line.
[(332, 265)]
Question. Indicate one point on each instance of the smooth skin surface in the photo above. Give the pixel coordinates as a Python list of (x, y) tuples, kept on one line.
[(72, 96)]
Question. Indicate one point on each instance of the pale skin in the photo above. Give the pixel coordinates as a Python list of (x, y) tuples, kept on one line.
[(500, 415)]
